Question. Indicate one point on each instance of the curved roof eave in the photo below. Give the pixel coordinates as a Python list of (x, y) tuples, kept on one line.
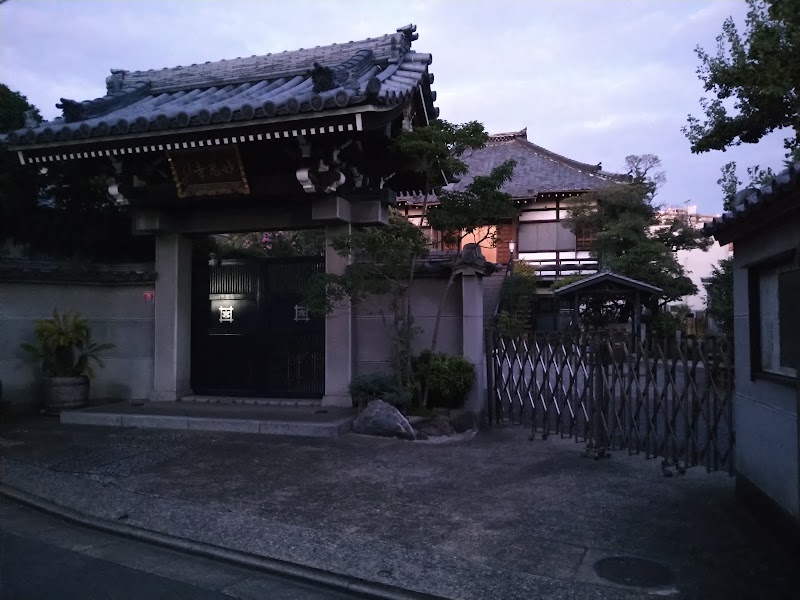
[(373, 74)]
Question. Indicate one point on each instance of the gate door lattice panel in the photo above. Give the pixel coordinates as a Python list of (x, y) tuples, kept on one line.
[(251, 333), (663, 398)]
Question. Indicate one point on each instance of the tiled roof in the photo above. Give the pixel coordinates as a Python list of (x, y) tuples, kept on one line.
[(55, 272), (381, 71), (751, 203), (607, 277), (538, 169)]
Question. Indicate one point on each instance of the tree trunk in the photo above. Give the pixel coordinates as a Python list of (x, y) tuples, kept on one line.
[(409, 317), (435, 336)]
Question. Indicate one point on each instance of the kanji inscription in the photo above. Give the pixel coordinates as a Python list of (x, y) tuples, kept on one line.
[(208, 172), (301, 313), (226, 314)]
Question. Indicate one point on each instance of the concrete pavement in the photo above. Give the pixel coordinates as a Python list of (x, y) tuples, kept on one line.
[(42, 557), (481, 517)]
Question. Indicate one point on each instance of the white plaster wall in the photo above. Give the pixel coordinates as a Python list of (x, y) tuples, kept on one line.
[(372, 342), (117, 314), (699, 264), (765, 412)]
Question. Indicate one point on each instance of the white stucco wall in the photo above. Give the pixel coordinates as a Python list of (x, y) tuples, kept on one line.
[(699, 264), (765, 412), (372, 342), (117, 314)]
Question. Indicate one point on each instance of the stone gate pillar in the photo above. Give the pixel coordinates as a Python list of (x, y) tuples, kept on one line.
[(173, 317), (472, 341), (339, 338)]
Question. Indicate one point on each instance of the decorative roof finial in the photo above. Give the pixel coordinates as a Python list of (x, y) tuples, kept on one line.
[(31, 118)]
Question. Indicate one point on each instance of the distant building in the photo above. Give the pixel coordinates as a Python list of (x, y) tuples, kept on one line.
[(545, 186), (697, 263)]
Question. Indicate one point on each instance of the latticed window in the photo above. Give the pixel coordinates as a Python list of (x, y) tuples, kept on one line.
[(585, 237)]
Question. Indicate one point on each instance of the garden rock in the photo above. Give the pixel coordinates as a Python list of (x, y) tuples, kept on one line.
[(436, 425), (383, 419), (462, 420), (420, 436)]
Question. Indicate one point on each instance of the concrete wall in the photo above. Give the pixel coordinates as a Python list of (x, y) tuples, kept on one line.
[(372, 343), (765, 412), (117, 314), (699, 264)]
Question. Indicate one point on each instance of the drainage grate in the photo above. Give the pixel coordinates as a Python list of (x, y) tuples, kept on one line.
[(638, 572)]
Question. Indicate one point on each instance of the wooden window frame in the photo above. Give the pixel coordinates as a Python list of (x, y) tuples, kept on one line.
[(754, 271)]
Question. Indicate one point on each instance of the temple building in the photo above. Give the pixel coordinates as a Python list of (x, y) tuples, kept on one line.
[(284, 141), (545, 185)]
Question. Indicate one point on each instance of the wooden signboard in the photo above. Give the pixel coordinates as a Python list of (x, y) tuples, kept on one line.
[(208, 172)]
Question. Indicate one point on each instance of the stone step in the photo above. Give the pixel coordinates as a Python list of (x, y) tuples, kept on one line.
[(251, 401), (308, 421)]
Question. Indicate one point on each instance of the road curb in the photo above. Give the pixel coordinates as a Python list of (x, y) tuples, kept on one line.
[(336, 583)]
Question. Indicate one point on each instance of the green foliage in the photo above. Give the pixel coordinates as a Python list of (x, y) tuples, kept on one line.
[(447, 378), (437, 149), (379, 386), (64, 346), (630, 240), (752, 80), (459, 214), (384, 258), (13, 107), (271, 244), (719, 296), (481, 204), (512, 324), (681, 309), (729, 183), (665, 324), (517, 299), (519, 292), (20, 185), (383, 264), (65, 209)]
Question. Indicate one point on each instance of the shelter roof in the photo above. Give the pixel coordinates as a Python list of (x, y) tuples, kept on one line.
[(602, 280), (382, 72)]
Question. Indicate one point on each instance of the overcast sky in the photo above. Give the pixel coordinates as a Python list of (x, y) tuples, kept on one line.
[(595, 80)]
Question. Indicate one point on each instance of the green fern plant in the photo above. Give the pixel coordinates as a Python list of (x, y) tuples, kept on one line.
[(64, 346)]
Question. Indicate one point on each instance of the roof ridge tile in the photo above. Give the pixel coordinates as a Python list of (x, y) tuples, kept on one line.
[(218, 91)]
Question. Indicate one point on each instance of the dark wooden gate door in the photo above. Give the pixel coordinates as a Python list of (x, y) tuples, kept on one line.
[(251, 335)]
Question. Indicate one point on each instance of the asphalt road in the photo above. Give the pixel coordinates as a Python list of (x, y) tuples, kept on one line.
[(44, 558)]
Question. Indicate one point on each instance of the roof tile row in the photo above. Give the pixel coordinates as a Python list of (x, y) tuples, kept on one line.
[(751, 201), (383, 71), (538, 169)]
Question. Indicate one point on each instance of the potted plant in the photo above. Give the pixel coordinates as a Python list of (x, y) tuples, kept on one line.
[(65, 351)]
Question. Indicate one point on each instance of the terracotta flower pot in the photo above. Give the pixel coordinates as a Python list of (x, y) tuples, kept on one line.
[(64, 393)]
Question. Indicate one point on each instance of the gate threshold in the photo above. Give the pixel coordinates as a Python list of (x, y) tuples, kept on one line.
[(303, 421), (209, 399)]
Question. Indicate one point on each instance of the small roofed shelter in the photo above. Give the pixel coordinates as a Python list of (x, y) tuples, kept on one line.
[(608, 286), (285, 141)]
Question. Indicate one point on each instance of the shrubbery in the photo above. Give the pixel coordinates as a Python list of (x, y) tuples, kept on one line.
[(448, 378), (378, 386)]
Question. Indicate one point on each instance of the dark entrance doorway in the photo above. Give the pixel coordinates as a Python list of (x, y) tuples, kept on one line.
[(251, 335)]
